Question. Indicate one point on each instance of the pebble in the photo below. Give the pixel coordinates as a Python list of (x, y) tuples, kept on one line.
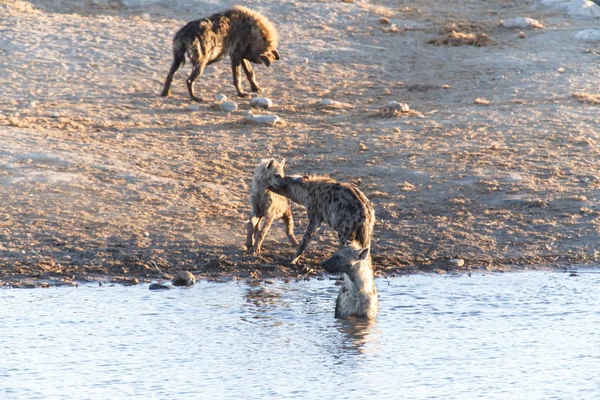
[(588, 35), (54, 114), (193, 107), (158, 286), (384, 21), (330, 103), (265, 119), (394, 105), (229, 106), (457, 262), (262, 102), (522, 22), (184, 278), (220, 98)]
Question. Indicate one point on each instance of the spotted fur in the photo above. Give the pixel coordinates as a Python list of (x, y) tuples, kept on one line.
[(340, 205), (240, 33), (267, 206)]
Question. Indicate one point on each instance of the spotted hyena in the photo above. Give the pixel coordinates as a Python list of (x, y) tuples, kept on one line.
[(267, 206), (340, 205), (358, 295), (242, 34)]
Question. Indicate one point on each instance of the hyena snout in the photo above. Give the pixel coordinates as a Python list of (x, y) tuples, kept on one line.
[(268, 57), (332, 265)]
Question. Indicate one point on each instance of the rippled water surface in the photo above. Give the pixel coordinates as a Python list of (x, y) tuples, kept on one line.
[(504, 336)]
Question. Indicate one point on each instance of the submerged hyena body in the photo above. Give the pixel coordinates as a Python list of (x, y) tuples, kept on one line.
[(358, 295), (240, 33), (267, 206), (340, 205)]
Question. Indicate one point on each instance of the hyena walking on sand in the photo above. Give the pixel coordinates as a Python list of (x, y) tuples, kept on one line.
[(340, 205), (358, 295), (240, 33), (268, 206)]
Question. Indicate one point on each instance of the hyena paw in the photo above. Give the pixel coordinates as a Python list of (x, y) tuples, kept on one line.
[(243, 94), (198, 99), (256, 89), (165, 93)]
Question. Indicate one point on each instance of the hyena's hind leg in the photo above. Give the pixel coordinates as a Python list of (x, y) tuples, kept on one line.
[(178, 59), (196, 72), (289, 227), (250, 75)]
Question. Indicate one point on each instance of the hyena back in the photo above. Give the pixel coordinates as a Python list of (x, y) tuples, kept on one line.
[(267, 206), (245, 35), (340, 205), (358, 294)]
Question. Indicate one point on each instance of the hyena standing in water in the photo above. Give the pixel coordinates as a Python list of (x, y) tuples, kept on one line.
[(267, 206), (340, 205), (245, 35), (358, 295)]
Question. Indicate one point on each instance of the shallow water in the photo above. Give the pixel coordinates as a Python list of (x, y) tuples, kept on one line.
[(504, 336)]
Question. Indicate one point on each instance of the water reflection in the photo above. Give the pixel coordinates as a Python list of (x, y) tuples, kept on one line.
[(359, 332)]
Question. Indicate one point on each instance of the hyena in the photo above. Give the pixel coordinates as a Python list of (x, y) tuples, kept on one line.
[(358, 295), (340, 205), (268, 206), (245, 35)]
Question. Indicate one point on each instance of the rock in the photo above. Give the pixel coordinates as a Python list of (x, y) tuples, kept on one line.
[(229, 106), (362, 147), (54, 114), (193, 107), (330, 103), (262, 102), (588, 35), (584, 8), (522, 23), (384, 21), (395, 106), (265, 119), (457, 262), (522, 35), (220, 98), (184, 278), (158, 286)]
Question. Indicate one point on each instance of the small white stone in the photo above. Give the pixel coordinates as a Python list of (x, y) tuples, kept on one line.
[(394, 105), (522, 22), (263, 102), (193, 107), (220, 98), (305, 60), (229, 106), (33, 103), (54, 114), (266, 119), (457, 262)]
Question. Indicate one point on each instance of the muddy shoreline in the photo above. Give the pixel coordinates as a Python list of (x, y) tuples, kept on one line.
[(496, 164)]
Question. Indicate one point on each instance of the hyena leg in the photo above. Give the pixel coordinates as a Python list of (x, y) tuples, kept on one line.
[(196, 72), (263, 232), (236, 70), (289, 227), (177, 60), (250, 75), (251, 229), (311, 229)]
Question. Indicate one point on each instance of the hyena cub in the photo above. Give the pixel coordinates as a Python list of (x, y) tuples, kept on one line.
[(242, 34), (358, 295), (268, 206), (340, 205)]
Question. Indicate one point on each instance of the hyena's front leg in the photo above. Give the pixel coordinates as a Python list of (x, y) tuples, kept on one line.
[(311, 229), (196, 72), (236, 70), (288, 220), (262, 233), (250, 75), (251, 231)]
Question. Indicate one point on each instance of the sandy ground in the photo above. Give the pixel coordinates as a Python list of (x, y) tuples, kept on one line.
[(101, 177)]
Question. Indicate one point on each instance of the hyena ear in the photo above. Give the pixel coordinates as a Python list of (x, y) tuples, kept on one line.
[(363, 253), (270, 164), (348, 243), (265, 60), (276, 54), (282, 162)]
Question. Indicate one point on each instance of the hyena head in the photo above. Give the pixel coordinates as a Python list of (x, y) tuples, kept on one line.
[(270, 172), (269, 56), (347, 259)]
